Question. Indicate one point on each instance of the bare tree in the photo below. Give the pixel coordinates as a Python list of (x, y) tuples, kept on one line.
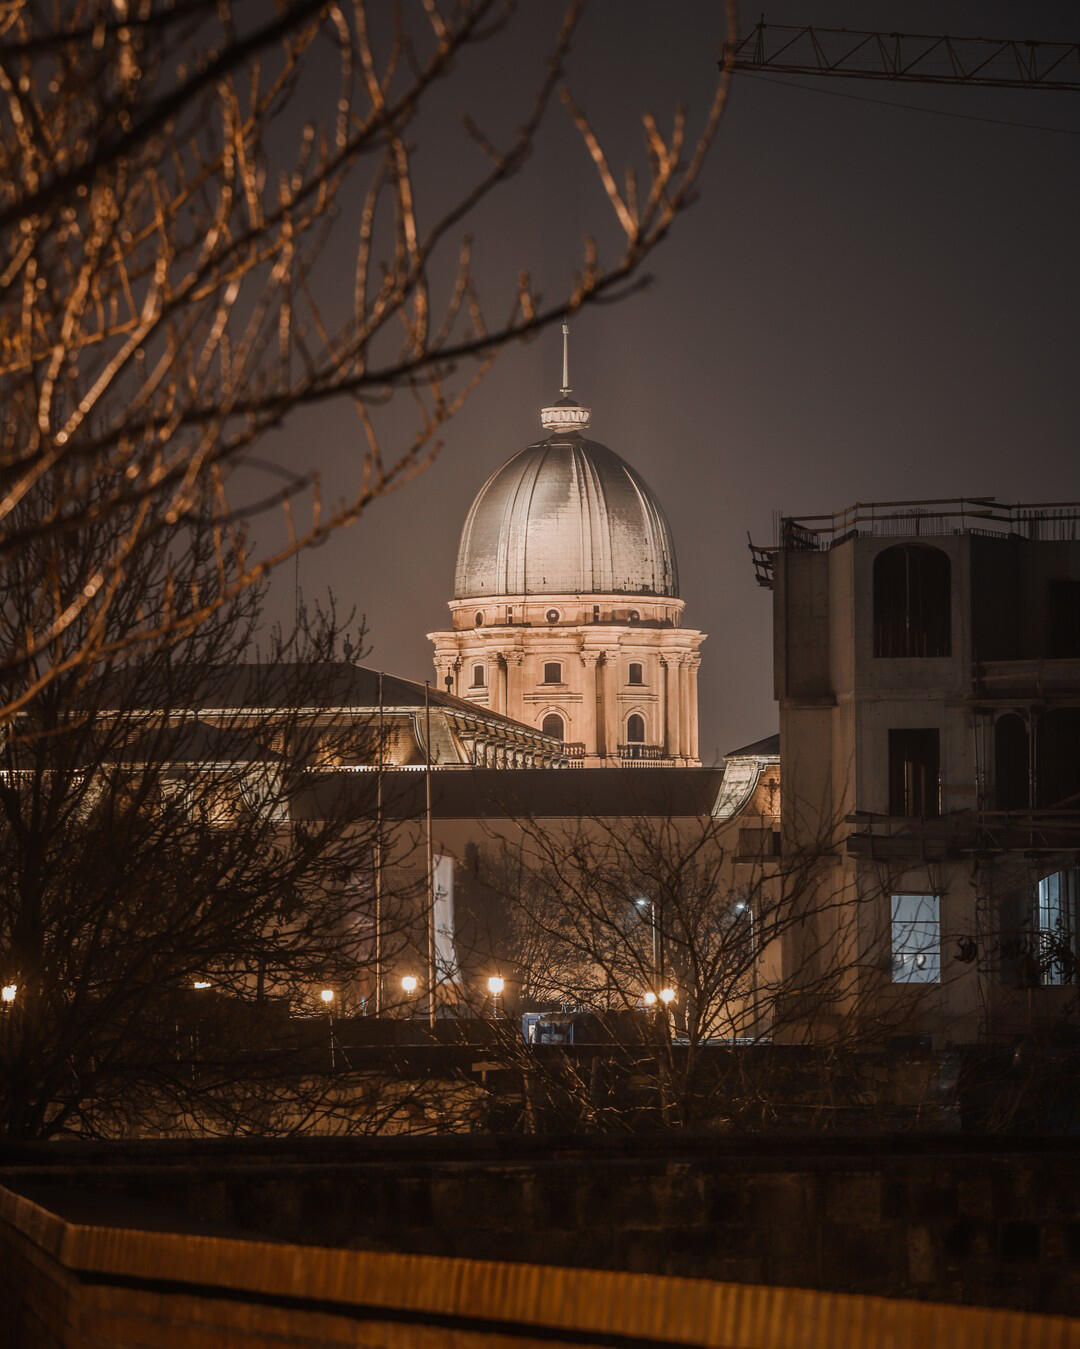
[(708, 980), (170, 172), (164, 917)]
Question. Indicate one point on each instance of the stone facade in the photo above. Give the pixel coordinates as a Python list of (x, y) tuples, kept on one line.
[(583, 667)]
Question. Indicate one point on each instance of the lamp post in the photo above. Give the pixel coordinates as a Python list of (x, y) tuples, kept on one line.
[(327, 996), (644, 902), (744, 906), (495, 987)]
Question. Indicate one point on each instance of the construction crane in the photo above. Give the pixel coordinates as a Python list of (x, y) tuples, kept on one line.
[(911, 58)]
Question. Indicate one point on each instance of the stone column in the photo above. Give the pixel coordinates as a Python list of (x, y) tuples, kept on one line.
[(585, 729), (500, 677), (693, 665), (514, 706), (684, 708), (670, 670), (612, 730)]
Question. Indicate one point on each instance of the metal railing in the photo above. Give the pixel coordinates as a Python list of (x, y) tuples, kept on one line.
[(936, 516), (1037, 521)]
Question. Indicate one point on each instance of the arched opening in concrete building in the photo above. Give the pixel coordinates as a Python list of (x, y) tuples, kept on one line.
[(912, 602)]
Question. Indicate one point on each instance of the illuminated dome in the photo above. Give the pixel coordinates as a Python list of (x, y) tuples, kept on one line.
[(566, 516)]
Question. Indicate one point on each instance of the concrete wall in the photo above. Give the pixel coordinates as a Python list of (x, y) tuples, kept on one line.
[(995, 1224), (106, 1288)]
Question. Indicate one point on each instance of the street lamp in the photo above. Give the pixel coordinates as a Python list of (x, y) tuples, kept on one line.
[(649, 998), (643, 902), (495, 987), (201, 983), (327, 996), (667, 996), (8, 992)]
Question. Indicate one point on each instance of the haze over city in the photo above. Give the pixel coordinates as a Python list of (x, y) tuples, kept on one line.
[(871, 300)]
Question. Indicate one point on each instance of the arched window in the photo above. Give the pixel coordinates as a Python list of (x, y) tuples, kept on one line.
[(912, 608), (552, 672), (478, 677), (1011, 763), (635, 729), (553, 725), (479, 619), (635, 675)]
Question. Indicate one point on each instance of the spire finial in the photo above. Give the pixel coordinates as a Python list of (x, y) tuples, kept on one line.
[(567, 414)]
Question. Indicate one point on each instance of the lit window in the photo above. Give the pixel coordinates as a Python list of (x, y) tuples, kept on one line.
[(635, 675), (1057, 895), (478, 677), (635, 730), (552, 672), (916, 939), (553, 725)]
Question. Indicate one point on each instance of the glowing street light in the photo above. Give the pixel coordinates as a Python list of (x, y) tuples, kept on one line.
[(649, 998), (8, 992), (495, 987), (201, 983), (408, 983), (667, 996), (327, 996)]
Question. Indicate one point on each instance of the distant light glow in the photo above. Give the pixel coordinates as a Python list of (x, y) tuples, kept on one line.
[(327, 996), (495, 984), (408, 983), (667, 995), (8, 992), (649, 999), (201, 983)]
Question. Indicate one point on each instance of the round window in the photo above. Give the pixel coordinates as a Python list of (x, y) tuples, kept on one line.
[(552, 615)]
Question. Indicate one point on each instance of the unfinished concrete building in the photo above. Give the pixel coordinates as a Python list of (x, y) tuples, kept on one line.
[(927, 667)]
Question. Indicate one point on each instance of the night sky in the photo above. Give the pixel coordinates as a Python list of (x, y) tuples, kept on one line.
[(866, 303)]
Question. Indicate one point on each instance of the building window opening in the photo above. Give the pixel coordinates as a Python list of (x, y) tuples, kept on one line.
[(552, 615), (553, 725), (916, 939), (1056, 903), (479, 677), (1057, 755), (1063, 628), (552, 672), (635, 675), (915, 773), (1011, 770), (479, 620), (635, 729), (912, 606)]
